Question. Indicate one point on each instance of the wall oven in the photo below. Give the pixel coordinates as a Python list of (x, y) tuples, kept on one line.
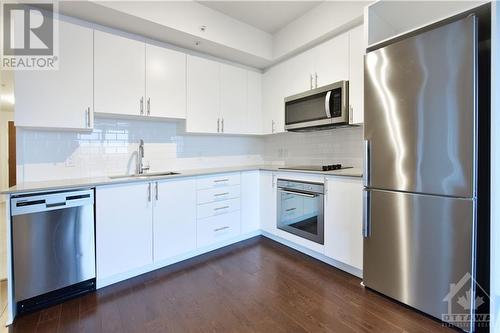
[(321, 108), (300, 209)]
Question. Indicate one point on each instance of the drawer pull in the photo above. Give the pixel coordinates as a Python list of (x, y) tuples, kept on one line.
[(290, 209), (221, 194), (221, 208), (221, 180), (221, 228)]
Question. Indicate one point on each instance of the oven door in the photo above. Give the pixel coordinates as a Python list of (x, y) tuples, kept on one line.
[(301, 213)]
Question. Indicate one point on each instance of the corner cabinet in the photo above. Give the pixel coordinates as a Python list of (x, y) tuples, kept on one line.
[(61, 98), (343, 220)]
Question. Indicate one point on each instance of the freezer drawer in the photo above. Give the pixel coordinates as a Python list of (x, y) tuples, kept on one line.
[(420, 112), (417, 245)]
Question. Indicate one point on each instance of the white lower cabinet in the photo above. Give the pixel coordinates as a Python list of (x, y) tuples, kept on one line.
[(250, 201), (174, 218), (124, 229), (218, 228), (343, 220), (268, 201)]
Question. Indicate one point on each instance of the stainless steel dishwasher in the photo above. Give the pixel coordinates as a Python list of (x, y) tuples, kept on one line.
[(53, 247)]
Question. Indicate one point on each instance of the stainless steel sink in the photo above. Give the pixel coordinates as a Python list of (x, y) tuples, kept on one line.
[(145, 175)]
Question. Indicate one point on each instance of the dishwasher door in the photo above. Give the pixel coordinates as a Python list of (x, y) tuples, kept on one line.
[(53, 243)]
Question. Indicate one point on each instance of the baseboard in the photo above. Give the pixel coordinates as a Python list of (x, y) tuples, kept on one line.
[(332, 262)]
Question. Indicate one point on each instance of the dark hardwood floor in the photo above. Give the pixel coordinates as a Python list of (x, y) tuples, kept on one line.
[(254, 286)]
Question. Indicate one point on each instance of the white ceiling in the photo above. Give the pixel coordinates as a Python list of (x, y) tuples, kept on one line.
[(268, 16)]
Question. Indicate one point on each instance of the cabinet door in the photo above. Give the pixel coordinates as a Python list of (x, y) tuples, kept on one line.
[(119, 74), (165, 82), (273, 106), (233, 99), (174, 218), (60, 98), (356, 74), (343, 221), (203, 95), (298, 74), (124, 229), (268, 201), (331, 60), (254, 119), (250, 201)]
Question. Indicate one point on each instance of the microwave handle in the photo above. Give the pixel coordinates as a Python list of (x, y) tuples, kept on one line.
[(327, 104)]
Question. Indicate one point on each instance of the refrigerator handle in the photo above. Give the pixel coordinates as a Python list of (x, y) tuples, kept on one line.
[(366, 164), (366, 213)]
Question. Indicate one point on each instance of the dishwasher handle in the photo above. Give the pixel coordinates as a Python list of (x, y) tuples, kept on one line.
[(41, 202)]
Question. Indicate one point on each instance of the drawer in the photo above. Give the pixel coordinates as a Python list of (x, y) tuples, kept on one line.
[(218, 228), (218, 208), (218, 194), (221, 180)]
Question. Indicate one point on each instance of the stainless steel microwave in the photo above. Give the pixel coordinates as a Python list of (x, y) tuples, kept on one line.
[(321, 108)]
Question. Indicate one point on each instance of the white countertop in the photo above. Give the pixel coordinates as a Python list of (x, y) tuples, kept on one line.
[(64, 184)]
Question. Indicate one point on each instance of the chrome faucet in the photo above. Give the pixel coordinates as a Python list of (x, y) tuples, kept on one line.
[(140, 159)]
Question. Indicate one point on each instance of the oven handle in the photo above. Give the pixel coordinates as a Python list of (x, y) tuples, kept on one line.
[(302, 194), (327, 104)]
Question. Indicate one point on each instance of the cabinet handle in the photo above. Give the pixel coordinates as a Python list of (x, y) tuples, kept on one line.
[(221, 194), (222, 126), (350, 114), (221, 180), (315, 80), (310, 81), (218, 125), (156, 191), (148, 106), (141, 105), (221, 228), (272, 126), (87, 117), (221, 208), (274, 180), (290, 209)]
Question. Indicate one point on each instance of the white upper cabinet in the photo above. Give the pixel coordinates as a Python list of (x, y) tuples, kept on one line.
[(273, 99), (174, 218), (343, 220), (60, 98), (233, 99), (254, 119), (119, 77), (203, 95), (165, 83), (356, 75), (331, 61)]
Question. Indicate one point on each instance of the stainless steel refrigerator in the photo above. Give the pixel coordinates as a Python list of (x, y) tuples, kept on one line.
[(420, 168)]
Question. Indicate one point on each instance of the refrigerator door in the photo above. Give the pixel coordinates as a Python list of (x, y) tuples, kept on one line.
[(416, 250), (420, 112)]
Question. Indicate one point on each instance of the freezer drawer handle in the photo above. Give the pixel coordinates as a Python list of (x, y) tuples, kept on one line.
[(366, 214), (366, 164)]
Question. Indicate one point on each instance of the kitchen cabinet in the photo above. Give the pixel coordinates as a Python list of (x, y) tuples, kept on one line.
[(254, 119), (268, 201), (331, 61), (343, 220), (233, 113), (250, 201), (124, 228), (203, 95), (356, 75), (165, 83), (61, 98), (174, 218), (273, 99), (119, 77)]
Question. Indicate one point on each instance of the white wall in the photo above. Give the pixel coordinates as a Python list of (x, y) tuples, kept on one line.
[(5, 117), (495, 171), (320, 23)]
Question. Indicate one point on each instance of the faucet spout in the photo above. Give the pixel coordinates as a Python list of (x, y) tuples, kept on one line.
[(140, 158)]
